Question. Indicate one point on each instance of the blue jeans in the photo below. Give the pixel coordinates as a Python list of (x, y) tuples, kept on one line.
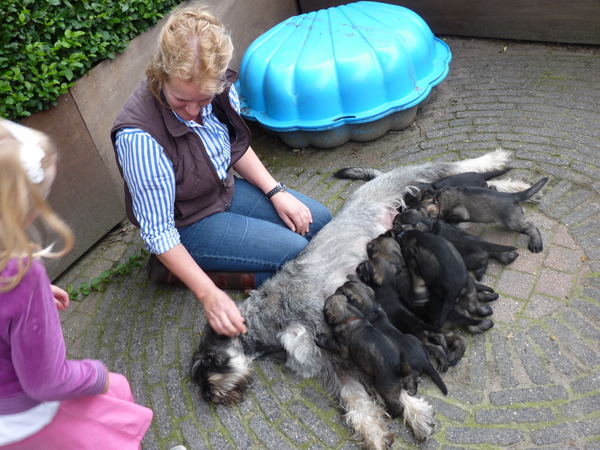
[(250, 236)]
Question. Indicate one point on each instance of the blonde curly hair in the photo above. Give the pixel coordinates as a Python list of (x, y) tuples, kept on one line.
[(21, 201), (193, 45)]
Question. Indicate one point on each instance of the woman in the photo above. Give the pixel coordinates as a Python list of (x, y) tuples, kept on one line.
[(177, 140)]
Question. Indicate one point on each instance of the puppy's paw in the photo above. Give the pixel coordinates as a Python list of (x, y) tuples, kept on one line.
[(484, 310), (484, 325), (487, 296), (535, 247)]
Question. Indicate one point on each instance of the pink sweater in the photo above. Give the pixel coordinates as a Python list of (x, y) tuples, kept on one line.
[(33, 368)]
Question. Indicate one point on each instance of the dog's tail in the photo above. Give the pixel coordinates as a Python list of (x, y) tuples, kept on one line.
[(419, 415), (357, 173), (494, 173), (528, 193), (436, 378), (492, 247)]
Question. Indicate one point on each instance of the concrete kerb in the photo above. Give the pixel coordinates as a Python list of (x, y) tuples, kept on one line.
[(532, 381)]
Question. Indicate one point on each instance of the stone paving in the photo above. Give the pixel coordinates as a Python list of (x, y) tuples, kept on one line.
[(532, 381)]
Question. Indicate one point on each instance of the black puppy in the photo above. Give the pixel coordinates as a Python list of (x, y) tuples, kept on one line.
[(474, 250), (380, 278), (409, 345), (439, 273), (477, 179), (353, 337), (386, 247), (474, 204)]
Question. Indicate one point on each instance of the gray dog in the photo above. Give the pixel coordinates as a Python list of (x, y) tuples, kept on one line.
[(286, 312)]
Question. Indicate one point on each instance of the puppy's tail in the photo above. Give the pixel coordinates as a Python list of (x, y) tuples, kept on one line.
[(357, 173), (419, 416), (436, 378), (528, 193), (494, 173), (492, 247)]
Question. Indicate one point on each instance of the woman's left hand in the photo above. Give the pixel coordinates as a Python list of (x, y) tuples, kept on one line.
[(293, 212), (61, 298)]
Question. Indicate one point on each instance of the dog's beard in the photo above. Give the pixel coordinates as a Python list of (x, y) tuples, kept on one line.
[(227, 380)]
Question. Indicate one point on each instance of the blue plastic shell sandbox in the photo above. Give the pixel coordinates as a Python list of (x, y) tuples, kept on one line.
[(353, 72)]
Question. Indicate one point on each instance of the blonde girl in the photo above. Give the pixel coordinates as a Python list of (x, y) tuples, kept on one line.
[(46, 400)]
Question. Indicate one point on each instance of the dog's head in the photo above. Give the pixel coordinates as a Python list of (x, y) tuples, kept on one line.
[(377, 271), (359, 296), (221, 368), (430, 203), (384, 246), (337, 310)]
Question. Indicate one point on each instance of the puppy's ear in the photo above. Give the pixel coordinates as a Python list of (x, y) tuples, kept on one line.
[(363, 271)]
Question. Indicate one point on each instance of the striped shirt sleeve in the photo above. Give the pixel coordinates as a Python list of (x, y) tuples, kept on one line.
[(150, 178)]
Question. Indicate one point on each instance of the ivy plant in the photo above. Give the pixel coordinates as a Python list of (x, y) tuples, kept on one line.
[(46, 45), (100, 282)]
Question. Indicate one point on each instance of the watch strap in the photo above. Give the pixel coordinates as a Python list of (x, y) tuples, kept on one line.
[(279, 187)]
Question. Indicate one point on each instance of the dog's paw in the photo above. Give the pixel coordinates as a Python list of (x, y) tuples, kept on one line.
[(487, 296), (484, 325), (535, 247), (484, 310), (419, 415)]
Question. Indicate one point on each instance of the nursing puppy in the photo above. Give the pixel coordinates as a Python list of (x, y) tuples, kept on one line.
[(410, 346), (392, 288), (354, 337), (473, 204), (474, 250), (286, 312), (440, 277)]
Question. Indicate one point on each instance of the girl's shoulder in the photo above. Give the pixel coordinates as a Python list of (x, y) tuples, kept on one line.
[(35, 272)]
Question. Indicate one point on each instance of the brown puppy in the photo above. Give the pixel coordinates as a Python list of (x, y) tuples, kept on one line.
[(353, 337)]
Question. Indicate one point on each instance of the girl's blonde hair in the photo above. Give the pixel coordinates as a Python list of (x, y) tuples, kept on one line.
[(193, 45), (21, 200)]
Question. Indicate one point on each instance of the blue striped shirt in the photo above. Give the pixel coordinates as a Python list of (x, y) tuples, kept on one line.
[(150, 177)]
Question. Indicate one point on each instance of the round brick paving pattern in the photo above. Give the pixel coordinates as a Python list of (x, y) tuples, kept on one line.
[(532, 381)]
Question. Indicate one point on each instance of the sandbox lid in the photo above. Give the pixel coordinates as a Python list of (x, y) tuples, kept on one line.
[(348, 64)]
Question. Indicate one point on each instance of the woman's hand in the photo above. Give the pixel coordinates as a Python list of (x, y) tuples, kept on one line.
[(222, 314), (293, 212), (61, 298)]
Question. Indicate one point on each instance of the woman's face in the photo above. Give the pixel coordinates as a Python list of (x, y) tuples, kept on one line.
[(184, 98)]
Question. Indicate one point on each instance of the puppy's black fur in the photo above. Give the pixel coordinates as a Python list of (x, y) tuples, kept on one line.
[(440, 277), (477, 179), (409, 345), (474, 204), (380, 278), (353, 337), (474, 250)]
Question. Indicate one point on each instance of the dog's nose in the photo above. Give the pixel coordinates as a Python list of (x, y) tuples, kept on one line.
[(207, 396)]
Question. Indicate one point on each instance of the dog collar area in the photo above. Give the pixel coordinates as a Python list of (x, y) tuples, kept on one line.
[(350, 319)]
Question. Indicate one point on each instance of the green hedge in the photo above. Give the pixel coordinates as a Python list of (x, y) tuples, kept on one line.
[(46, 45)]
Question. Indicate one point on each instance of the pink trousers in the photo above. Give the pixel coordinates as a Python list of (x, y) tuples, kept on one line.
[(104, 421)]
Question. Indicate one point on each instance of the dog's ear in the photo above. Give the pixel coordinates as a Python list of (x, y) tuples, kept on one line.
[(390, 233), (363, 271)]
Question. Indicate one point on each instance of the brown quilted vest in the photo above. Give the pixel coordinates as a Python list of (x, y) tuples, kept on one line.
[(199, 192)]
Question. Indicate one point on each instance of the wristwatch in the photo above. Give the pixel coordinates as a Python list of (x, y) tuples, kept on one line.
[(279, 187)]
